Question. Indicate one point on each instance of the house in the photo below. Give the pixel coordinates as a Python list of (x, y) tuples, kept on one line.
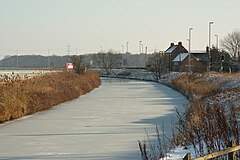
[(203, 58), (172, 52), (182, 63), (177, 59)]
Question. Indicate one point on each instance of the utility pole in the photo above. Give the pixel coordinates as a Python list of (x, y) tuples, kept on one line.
[(76, 51), (68, 51)]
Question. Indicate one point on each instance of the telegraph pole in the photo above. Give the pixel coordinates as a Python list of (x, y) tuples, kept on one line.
[(76, 51), (68, 51)]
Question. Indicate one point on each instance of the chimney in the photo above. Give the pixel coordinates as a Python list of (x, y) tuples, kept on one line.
[(171, 44), (207, 49), (179, 43)]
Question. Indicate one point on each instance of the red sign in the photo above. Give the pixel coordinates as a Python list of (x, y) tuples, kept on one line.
[(69, 66)]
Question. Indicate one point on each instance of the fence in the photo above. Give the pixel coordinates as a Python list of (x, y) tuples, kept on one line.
[(231, 151)]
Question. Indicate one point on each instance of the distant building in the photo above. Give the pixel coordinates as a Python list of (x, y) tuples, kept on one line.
[(177, 59), (181, 63), (172, 52)]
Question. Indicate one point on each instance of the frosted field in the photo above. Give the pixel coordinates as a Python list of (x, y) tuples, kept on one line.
[(22, 73)]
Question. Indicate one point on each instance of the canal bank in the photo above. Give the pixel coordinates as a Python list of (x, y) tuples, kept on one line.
[(25, 96)]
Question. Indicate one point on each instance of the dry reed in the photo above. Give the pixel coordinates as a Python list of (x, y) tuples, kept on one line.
[(24, 97)]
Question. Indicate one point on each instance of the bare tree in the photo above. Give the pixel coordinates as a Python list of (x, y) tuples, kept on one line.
[(109, 60), (157, 64), (77, 61), (231, 43)]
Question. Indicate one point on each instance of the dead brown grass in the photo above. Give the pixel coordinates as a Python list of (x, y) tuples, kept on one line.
[(196, 84), (211, 121), (24, 97), (236, 74)]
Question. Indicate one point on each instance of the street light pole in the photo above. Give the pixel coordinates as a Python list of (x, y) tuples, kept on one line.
[(122, 49), (209, 45), (216, 41), (189, 51), (127, 47), (140, 47)]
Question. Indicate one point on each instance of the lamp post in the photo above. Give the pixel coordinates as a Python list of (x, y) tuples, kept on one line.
[(140, 46), (122, 49), (189, 51), (216, 41), (209, 45), (127, 47)]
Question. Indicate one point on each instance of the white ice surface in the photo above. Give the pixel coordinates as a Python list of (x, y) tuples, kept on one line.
[(103, 124)]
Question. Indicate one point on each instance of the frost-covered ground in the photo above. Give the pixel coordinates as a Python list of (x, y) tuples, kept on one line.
[(138, 74), (21, 74), (177, 154), (228, 94)]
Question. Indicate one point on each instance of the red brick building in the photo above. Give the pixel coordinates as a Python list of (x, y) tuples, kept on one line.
[(172, 52), (181, 63)]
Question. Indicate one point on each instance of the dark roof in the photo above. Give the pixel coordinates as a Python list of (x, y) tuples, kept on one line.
[(202, 56), (171, 49)]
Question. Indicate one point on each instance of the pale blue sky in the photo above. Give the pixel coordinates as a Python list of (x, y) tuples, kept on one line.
[(89, 25)]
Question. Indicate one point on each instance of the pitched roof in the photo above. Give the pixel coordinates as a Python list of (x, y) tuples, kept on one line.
[(201, 56), (171, 49), (180, 57)]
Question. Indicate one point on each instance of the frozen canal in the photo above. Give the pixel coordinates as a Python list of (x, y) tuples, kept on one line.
[(104, 124)]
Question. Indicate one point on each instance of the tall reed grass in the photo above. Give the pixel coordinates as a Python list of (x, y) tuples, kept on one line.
[(210, 122), (20, 97)]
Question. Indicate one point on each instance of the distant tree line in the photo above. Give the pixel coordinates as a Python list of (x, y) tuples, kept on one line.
[(34, 61)]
